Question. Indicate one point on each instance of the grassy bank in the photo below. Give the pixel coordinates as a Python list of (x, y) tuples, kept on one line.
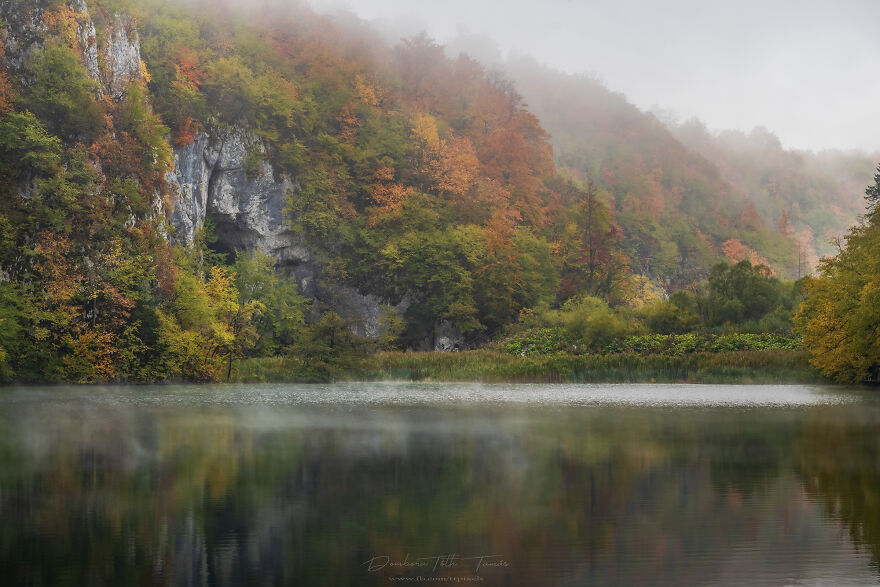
[(770, 366)]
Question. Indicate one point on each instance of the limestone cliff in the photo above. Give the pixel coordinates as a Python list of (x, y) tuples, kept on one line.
[(119, 46), (210, 181), (122, 56)]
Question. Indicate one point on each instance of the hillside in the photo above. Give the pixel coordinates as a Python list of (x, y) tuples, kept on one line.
[(815, 196), (183, 187), (673, 182)]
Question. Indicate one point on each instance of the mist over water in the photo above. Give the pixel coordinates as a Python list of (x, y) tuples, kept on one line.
[(570, 484)]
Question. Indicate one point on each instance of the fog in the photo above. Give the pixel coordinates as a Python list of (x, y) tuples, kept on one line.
[(806, 70)]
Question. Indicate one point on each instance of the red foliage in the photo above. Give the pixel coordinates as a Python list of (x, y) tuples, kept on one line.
[(608, 177), (187, 67), (388, 195), (749, 216), (186, 133), (7, 94), (348, 124), (736, 251)]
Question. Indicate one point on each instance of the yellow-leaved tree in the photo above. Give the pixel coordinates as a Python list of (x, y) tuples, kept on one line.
[(840, 317), (206, 326)]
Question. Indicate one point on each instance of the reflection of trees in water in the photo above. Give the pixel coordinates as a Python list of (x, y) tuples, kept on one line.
[(748, 458), (838, 456), (596, 496)]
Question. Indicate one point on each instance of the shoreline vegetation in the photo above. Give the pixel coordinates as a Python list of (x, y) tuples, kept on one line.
[(494, 366), (548, 355)]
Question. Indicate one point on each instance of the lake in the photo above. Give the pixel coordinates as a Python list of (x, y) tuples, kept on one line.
[(427, 483)]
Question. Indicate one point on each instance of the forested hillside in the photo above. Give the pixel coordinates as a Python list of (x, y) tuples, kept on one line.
[(183, 187), (814, 196), (677, 185)]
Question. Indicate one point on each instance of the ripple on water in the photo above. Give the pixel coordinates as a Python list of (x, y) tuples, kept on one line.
[(407, 393)]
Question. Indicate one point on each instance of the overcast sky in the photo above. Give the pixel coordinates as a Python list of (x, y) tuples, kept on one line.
[(807, 70)]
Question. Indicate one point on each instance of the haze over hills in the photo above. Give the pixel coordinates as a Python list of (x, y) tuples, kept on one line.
[(203, 181), (805, 70), (819, 193), (731, 176)]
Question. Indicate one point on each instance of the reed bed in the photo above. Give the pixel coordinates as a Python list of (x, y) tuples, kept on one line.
[(488, 365)]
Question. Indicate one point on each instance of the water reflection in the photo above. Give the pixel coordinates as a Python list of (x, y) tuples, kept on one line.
[(303, 485)]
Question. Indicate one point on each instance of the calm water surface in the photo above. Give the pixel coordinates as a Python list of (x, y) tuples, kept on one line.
[(425, 484)]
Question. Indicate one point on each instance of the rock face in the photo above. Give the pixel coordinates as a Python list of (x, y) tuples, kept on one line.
[(210, 181), (122, 55), (86, 37), (25, 31), (446, 338)]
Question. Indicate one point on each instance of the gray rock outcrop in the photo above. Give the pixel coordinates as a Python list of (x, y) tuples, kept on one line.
[(86, 37), (122, 55), (446, 337), (210, 180), (25, 32)]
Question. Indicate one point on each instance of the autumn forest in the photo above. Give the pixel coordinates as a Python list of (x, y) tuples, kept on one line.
[(215, 195)]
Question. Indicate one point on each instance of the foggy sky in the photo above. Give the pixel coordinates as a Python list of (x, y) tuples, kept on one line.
[(807, 70)]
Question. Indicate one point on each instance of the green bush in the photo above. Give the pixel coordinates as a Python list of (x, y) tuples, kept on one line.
[(667, 317), (682, 344), (540, 341), (63, 94)]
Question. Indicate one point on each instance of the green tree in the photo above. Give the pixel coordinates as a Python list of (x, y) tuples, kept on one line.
[(840, 317), (742, 292), (872, 194), (26, 147), (325, 345), (281, 315), (590, 321), (585, 239), (62, 93), (674, 316), (10, 331)]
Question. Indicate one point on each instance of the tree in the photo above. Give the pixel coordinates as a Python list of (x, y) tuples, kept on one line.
[(589, 320), (63, 94), (26, 147), (840, 316), (740, 293), (281, 314), (872, 194), (675, 316), (206, 326), (586, 239)]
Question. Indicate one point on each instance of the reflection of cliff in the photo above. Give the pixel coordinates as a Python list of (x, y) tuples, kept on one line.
[(839, 461), (300, 495)]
